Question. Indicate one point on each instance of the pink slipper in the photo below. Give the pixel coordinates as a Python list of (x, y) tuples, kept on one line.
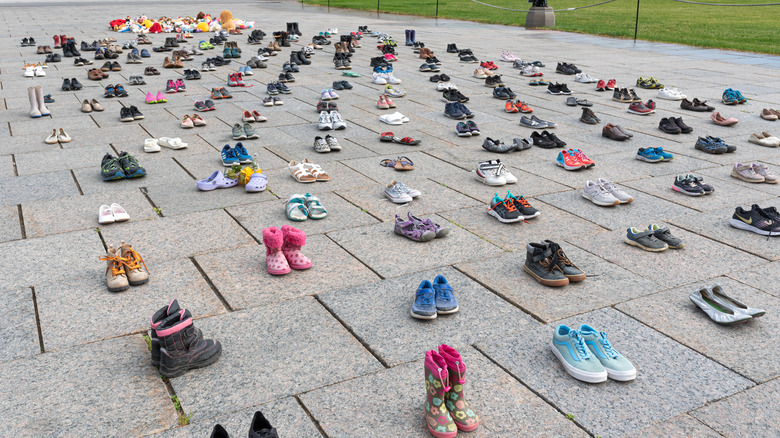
[(275, 260), (294, 239)]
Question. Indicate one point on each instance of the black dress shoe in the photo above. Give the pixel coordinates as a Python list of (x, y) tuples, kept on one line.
[(66, 86)]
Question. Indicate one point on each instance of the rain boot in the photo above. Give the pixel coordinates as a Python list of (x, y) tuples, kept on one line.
[(296, 29), (34, 111), (181, 348), (413, 35), (408, 37), (41, 103), (294, 239), (464, 417), (157, 319), (438, 419), (261, 428), (275, 261)]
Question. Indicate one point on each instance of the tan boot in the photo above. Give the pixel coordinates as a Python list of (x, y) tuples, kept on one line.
[(34, 111), (41, 103), (134, 265), (167, 63), (277, 47), (116, 280)]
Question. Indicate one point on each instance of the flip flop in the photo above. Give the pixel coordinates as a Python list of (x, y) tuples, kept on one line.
[(387, 163), (406, 140), (404, 163), (386, 136), (584, 102), (534, 82), (571, 101), (391, 119)]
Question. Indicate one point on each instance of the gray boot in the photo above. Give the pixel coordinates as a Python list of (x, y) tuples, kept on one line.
[(41, 103), (34, 111), (541, 262)]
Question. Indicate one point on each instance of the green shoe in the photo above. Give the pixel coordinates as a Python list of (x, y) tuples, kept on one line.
[(438, 419), (351, 74), (464, 417), (110, 168), (570, 348), (618, 367)]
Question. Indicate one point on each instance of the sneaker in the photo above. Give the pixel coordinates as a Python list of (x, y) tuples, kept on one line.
[(110, 169), (336, 120), (687, 186), (333, 143), (542, 141), (569, 161), (462, 130), (542, 262), (522, 205), (587, 162), (665, 235), (554, 89), (639, 108), (669, 126), (473, 129), (747, 173), (325, 123), (452, 111), (599, 195), (238, 132), (649, 155), (663, 154), (504, 210), (719, 141), (756, 220), (709, 146), (130, 166), (670, 94), (618, 367), (446, 303), (685, 129), (229, 156), (396, 194), (250, 132), (488, 172), (242, 154), (763, 170), (496, 145), (645, 240), (424, 306)]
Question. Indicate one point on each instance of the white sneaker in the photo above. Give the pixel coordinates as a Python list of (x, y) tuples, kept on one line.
[(379, 79), (621, 196), (411, 192), (336, 121), (508, 57), (584, 78), (105, 216), (333, 30), (119, 213), (151, 145), (325, 123), (504, 172), (390, 79), (488, 173), (39, 71), (394, 91), (29, 72), (260, 58), (670, 94), (325, 95), (441, 86), (598, 195), (396, 194)]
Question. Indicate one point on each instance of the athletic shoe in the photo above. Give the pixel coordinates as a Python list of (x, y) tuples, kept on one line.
[(709, 146), (756, 220), (639, 108), (242, 154), (424, 306), (699, 181), (597, 194), (685, 129), (568, 161), (665, 235), (504, 210), (719, 141), (645, 240), (462, 130), (611, 84), (544, 122), (472, 127), (564, 68), (747, 173), (601, 86), (489, 172), (110, 169), (229, 156), (522, 205), (670, 94), (617, 366), (570, 348), (525, 121), (687, 186), (587, 162), (496, 145), (542, 141), (669, 126), (621, 196), (649, 155), (763, 170), (665, 155), (446, 302), (554, 89)]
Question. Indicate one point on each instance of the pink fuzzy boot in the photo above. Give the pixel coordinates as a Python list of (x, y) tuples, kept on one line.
[(294, 239), (275, 260)]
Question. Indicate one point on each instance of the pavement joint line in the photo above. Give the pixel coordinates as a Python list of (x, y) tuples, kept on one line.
[(37, 320), (368, 212), (705, 424), (183, 168), (352, 332), (381, 277), (471, 232), (314, 421), (535, 392), (767, 258), (21, 221), (94, 121), (76, 181), (258, 241), (13, 161), (211, 284), (174, 399)]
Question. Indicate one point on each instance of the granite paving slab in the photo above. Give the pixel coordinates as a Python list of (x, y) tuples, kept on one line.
[(162, 171), (681, 426), (671, 380), (184, 197), (283, 184), (231, 272), (296, 333), (505, 407), (10, 228), (19, 189), (60, 159), (120, 377), (762, 277), (724, 173), (19, 332), (749, 413)]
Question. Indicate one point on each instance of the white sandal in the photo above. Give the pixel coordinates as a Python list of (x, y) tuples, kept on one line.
[(300, 173), (173, 143), (151, 145), (315, 170)]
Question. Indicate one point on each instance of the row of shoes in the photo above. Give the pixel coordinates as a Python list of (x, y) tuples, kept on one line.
[(655, 238), (418, 229), (511, 209), (152, 145), (254, 181)]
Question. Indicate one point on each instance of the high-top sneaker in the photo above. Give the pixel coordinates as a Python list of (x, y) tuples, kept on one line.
[(437, 417), (543, 264), (275, 261), (294, 239), (134, 265), (116, 279), (464, 417), (261, 427), (157, 319), (181, 348)]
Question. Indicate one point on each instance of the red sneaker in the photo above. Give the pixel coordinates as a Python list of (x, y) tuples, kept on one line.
[(582, 157), (511, 107), (639, 108), (601, 86), (57, 42), (492, 66), (611, 84), (523, 107), (568, 160), (485, 64)]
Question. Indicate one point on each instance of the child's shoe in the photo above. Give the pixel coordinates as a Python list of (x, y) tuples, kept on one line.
[(274, 258), (294, 239)]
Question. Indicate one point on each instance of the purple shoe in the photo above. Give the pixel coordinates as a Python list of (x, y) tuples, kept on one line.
[(257, 182), (216, 181), (412, 231), (428, 224)]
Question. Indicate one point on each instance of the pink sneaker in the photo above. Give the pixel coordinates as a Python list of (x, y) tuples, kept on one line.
[(186, 122), (294, 239), (161, 97), (275, 260), (180, 85), (150, 98)]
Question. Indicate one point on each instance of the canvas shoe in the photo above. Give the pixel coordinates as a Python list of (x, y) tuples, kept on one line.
[(645, 240), (424, 306), (395, 193), (599, 195), (618, 367), (763, 170), (570, 348), (392, 91), (569, 161), (333, 143), (670, 94), (488, 172), (378, 78)]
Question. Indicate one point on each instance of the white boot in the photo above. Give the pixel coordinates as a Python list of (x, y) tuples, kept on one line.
[(34, 111), (41, 104)]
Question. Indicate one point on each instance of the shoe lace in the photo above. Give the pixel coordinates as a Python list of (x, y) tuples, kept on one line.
[(579, 344), (116, 264), (611, 352), (507, 203), (132, 259), (523, 201), (444, 388)]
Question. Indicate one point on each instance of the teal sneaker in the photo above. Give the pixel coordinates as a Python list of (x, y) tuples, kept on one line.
[(618, 367), (569, 347), (663, 154)]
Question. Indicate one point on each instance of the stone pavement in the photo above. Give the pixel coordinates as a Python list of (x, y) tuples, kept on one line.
[(332, 351)]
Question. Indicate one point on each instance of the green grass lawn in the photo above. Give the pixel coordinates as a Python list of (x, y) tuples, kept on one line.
[(753, 29)]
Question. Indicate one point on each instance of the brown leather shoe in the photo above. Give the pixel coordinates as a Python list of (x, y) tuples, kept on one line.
[(47, 50), (613, 132), (106, 66), (167, 63), (623, 131), (95, 74), (177, 63), (40, 51), (117, 49)]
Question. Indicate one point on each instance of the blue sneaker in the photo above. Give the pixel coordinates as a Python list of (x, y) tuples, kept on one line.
[(569, 347), (719, 141), (665, 155), (710, 146), (464, 110), (453, 112), (242, 154), (649, 155), (618, 367), (730, 97), (740, 97), (229, 156), (424, 306), (446, 302)]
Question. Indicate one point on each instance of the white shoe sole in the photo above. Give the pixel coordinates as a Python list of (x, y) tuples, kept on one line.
[(623, 376), (414, 315), (484, 181), (638, 245), (679, 190), (584, 376), (599, 203), (502, 220), (743, 226)]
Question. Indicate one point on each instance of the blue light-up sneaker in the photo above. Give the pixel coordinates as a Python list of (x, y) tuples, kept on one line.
[(445, 301), (424, 306), (569, 347), (618, 367)]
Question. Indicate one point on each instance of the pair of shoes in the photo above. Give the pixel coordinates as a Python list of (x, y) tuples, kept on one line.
[(273, 100), (208, 105), (573, 159), (34, 71), (517, 106), (136, 80), (176, 345), (128, 114), (467, 129), (457, 110), (494, 81), (88, 107), (283, 250), (274, 88), (604, 86), (71, 84), (615, 132), (546, 140), (722, 308), (124, 267), (121, 167), (344, 85), (753, 173), (115, 91), (111, 66), (419, 230), (494, 173), (770, 114), (433, 299), (696, 105), (567, 69), (331, 121), (504, 93), (175, 86), (302, 207), (237, 80), (674, 125), (159, 98), (400, 193), (308, 172), (259, 428), (653, 155), (654, 239), (152, 145), (691, 185), (587, 355), (764, 139), (108, 214), (328, 94), (253, 116), (244, 132), (625, 95), (452, 94), (604, 193), (507, 56), (55, 137), (511, 209), (733, 97), (252, 178), (763, 221), (446, 409), (235, 155), (670, 94), (482, 73), (536, 123), (649, 83), (220, 93), (548, 264), (713, 145), (384, 102)]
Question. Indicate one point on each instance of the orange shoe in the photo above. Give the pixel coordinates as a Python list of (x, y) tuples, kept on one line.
[(582, 157), (511, 107), (523, 107), (215, 94), (568, 160)]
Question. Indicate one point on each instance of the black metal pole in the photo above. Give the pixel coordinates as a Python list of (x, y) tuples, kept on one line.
[(437, 9), (377, 6), (636, 23)]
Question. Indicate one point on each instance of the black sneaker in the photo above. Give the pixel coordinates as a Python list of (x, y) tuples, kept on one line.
[(564, 68), (564, 89), (687, 186), (504, 210), (261, 427), (669, 126), (569, 269), (542, 263), (135, 113), (452, 48), (553, 138), (492, 81), (130, 166), (511, 93), (685, 129), (110, 169), (755, 220), (572, 67), (501, 93), (700, 182), (460, 96), (554, 89), (522, 205), (542, 141), (125, 115)]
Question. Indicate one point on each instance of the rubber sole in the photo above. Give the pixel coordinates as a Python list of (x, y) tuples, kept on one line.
[(426, 317), (175, 372), (740, 177), (736, 223), (118, 289), (679, 190), (569, 167), (648, 160), (599, 203), (503, 220), (639, 245), (579, 374), (546, 282)]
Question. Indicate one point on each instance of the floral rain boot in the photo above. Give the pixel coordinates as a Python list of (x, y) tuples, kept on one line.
[(438, 419), (274, 258), (294, 239), (465, 418)]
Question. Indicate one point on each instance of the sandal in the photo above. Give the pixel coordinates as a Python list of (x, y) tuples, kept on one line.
[(386, 136), (387, 163), (584, 102), (316, 210), (404, 163), (315, 170), (407, 141), (411, 231), (296, 208), (299, 172)]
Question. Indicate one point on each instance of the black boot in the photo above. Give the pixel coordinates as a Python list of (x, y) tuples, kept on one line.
[(409, 37), (302, 58), (156, 320), (296, 29), (180, 347), (290, 28), (260, 427), (285, 41)]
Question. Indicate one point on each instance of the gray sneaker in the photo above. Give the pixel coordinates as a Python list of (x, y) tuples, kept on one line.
[(645, 240), (621, 196), (522, 143), (249, 131), (716, 309), (544, 122), (238, 132), (395, 193), (496, 145), (525, 121), (541, 263), (665, 235), (588, 117), (598, 195), (763, 170)]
